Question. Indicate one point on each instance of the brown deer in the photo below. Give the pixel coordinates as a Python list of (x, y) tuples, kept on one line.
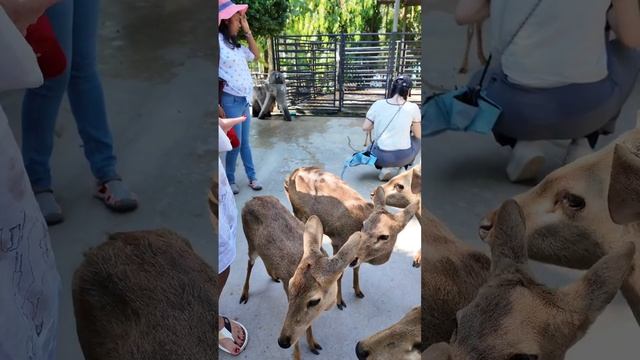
[(452, 273), (567, 214), (343, 212), (515, 317), (145, 295), (292, 253), (400, 341), (404, 189)]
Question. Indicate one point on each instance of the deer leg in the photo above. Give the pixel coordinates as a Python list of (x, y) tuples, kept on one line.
[(245, 290), (356, 282), (273, 277), (417, 259), (339, 301), (296, 351), (313, 345), (465, 60), (479, 45)]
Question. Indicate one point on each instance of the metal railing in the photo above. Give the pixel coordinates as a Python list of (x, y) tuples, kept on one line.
[(345, 72)]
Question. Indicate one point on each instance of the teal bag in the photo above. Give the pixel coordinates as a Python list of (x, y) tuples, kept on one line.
[(465, 109)]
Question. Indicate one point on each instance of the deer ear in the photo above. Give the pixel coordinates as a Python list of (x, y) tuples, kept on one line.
[(407, 213), (507, 238), (598, 286), (624, 186), (416, 180), (312, 238), (439, 351), (378, 197), (347, 254)]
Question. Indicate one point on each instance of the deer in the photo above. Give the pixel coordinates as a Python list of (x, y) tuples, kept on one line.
[(401, 340), (452, 274), (292, 253), (402, 190), (515, 317), (145, 295), (624, 186), (568, 213), (343, 211)]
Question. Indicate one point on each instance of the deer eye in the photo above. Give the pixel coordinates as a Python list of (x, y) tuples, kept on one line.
[(313, 303), (573, 201), (416, 346), (398, 187), (383, 237)]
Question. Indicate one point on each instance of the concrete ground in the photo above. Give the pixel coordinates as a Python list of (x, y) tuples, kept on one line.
[(465, 178), (390, 290), (156, 60)]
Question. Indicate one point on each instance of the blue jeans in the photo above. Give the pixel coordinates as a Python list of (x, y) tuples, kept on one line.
[(235, 106), (75, 23)]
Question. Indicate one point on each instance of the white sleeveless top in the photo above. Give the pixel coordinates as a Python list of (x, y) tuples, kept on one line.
[(562, 43)]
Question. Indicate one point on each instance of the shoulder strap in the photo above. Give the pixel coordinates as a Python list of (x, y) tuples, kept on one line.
[(504, 48)]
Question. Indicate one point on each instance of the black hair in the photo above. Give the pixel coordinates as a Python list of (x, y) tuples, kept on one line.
[(224, 30), (401, 86)]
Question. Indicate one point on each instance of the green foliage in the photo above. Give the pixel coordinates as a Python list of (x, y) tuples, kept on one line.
[(266, 17), (333, 16)]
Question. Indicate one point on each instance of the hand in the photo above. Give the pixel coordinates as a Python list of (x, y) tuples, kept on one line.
[(25, 12), (221, 113), (226, 124), (245, 24)]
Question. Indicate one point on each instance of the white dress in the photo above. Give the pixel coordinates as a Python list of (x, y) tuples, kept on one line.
[(29, 280), (228, 222)]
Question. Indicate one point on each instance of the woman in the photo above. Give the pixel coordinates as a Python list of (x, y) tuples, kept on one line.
[(75, 23), (238, 89), (394, 126), (232, 336), (29, 280), (558, 77)]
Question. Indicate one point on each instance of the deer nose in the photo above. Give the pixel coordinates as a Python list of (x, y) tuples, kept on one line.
[(285, 342), (486, 225), (362, 354)]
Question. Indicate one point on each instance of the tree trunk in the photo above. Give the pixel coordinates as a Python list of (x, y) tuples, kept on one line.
[(271, 65)]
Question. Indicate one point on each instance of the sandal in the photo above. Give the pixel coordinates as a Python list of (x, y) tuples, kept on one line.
[(116, 196), (255, 185), (226, 333)]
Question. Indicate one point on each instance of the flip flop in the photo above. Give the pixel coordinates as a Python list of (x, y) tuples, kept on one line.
[(227, 333)]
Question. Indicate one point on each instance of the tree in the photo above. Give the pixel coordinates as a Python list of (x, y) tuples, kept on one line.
[(267, 19)]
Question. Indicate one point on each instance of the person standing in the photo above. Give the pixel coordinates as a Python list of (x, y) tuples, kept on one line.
[(75, 23), (238, 89)]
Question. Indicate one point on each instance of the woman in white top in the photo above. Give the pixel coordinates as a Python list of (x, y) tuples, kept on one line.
[(237, 93), (559, 77), (394, 124)]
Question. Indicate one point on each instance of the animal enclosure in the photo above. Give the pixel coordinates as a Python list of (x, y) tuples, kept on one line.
[(345, 72)]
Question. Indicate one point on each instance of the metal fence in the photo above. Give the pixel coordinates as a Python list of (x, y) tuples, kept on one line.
[(345, 72)]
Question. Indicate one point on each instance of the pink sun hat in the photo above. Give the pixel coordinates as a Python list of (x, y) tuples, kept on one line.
[(226, 9)]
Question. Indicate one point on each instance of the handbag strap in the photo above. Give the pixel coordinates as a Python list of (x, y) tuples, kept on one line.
[(504, 48), (389, 123)]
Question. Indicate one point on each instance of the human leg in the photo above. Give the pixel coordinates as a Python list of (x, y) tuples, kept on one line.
[(86, 94), (40, 106)]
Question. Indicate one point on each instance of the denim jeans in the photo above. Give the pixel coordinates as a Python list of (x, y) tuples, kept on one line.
[(235, 106), (75, 23)]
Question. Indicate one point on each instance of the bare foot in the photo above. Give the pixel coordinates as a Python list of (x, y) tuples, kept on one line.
[(232, 345)]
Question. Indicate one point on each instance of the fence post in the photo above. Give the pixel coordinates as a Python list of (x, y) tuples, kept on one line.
[(391, 62), (341, 65)]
